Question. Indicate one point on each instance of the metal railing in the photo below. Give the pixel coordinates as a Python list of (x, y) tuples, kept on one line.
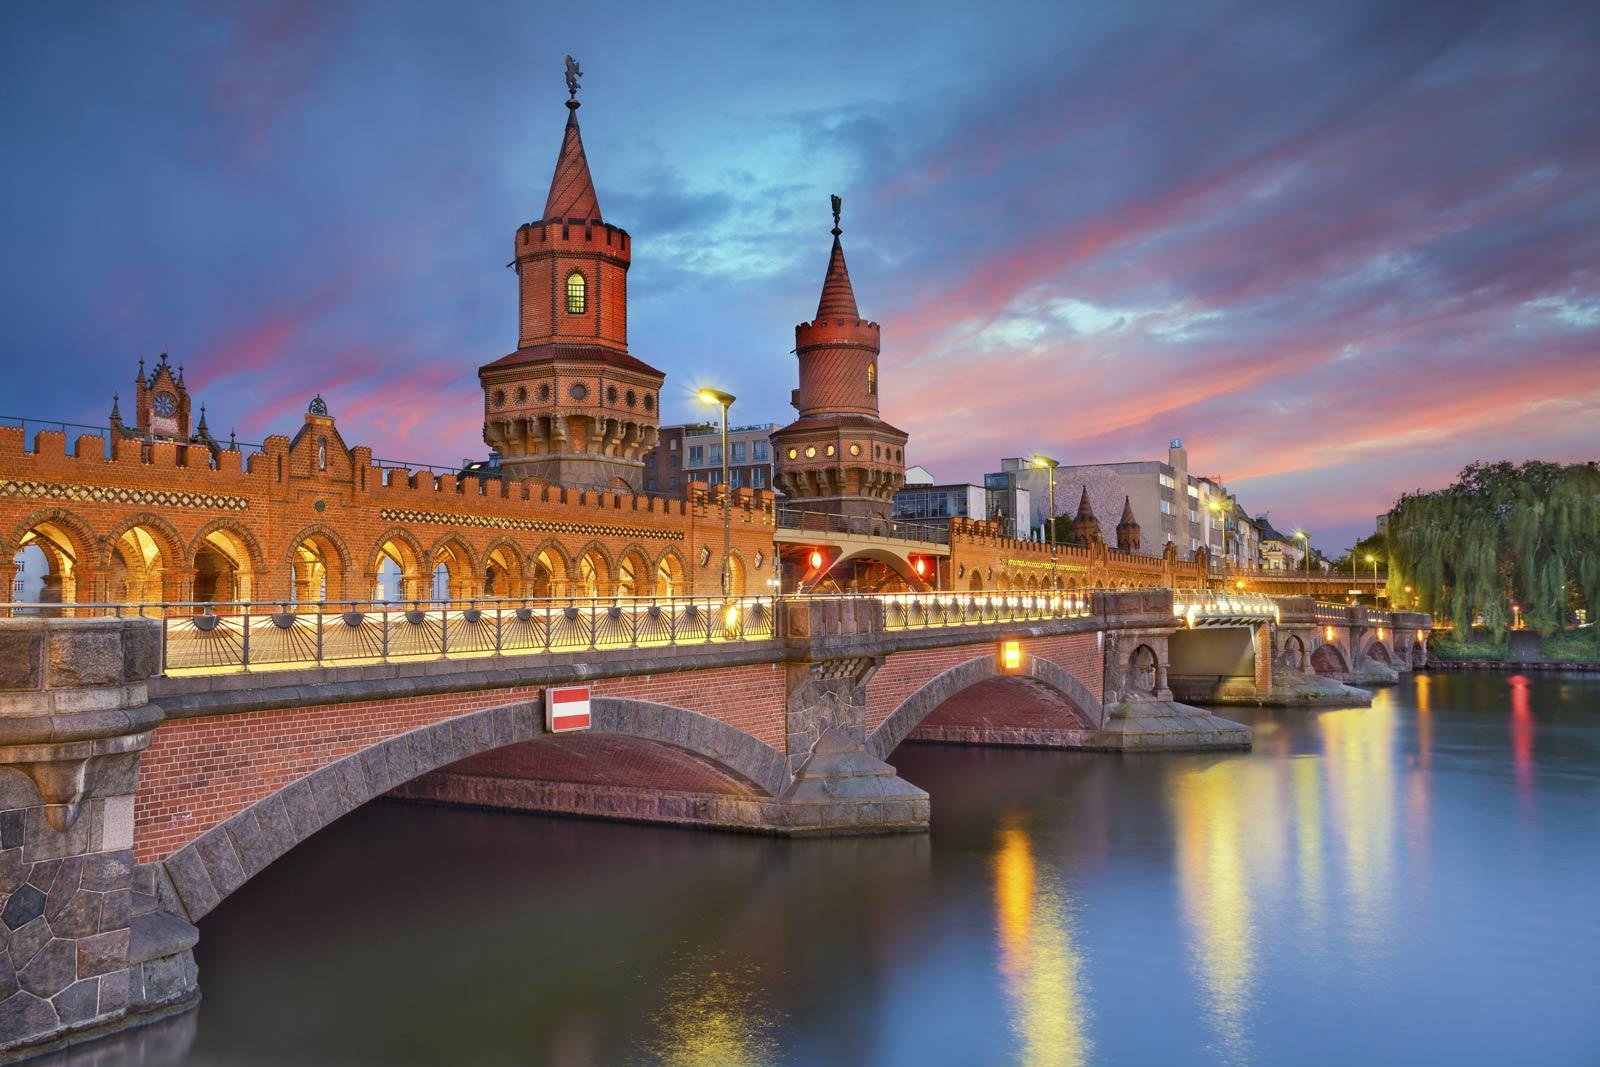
[(860, 526), (206, 637), (1195, 607)]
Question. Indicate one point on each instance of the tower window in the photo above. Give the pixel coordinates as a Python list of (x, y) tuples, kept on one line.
[(872, 379), (577, 295)]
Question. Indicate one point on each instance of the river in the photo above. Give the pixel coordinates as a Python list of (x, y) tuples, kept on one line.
[(1415, 882)]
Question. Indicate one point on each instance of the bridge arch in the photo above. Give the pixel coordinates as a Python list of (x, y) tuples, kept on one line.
[(634, 576), (595, 571), (672, 574), (69, 548), (1329, 659), (1419, 652), (227, 561), (397, 561), (1379, 651), (207, 870), (504, 569), (453, 569), (1294, 653), (940, 689), (549, 570), (318, 562), (142, 557)]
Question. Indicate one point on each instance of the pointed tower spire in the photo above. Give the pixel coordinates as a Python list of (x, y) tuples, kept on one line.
[(1085, 527), (1128, 529), (572, 189), (838, 298), (116, 410)]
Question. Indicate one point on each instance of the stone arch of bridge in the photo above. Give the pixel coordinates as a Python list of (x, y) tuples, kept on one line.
[(895, 575), (1329, 659), (1419, 652), (1379, 651), (214, 865), (1293, 656), (1086, 710)]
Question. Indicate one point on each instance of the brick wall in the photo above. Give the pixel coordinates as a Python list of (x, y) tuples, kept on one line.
[(198, 772), (906, 672)]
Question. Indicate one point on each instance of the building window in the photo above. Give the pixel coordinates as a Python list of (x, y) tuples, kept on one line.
[(1166, 480), (1194, 492), (322, 453), (672, 445), (733, 477), (672, 461), (697, 455), (758, 477), (672, 482), (716, 454), (762, 451), (1194, 516), (577, 297), (736, 452), (650, 483), (872, 379), (1166, 507)]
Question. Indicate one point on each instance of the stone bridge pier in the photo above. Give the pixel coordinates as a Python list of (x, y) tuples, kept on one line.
[(84, 952)]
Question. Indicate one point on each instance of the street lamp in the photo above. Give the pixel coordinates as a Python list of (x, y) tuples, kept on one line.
[(725, 401), (1307, 539), (1374, 561), (1049, 466)]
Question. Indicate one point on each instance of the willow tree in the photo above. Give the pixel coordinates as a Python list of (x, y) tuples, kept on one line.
[(1503, 533)]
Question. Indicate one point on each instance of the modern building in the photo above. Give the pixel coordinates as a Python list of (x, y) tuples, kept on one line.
[(937, 504), (1010, 501), (1170, 505)]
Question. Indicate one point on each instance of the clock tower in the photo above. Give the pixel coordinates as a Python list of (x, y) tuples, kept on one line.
[(160, 403), (571, 405)]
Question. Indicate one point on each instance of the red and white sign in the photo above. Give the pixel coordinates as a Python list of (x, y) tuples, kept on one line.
[(566, 708)]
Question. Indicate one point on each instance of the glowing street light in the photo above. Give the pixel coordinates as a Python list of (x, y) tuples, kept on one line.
[(1049, 465), (1374, 561), (1302, 535), (725, 400)]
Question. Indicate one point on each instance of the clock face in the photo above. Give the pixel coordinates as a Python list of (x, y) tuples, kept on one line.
[(166, 405)]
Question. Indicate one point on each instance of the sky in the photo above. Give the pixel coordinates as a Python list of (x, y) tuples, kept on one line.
[(1340, 249)]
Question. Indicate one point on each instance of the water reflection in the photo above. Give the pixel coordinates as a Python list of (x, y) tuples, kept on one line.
[(715, 1016), (1042, 967), (1210, 816), (1522, 737)]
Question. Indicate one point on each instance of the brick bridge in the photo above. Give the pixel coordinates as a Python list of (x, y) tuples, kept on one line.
[(145, 779)]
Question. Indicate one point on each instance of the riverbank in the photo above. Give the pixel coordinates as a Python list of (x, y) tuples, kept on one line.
[(1510, 665)]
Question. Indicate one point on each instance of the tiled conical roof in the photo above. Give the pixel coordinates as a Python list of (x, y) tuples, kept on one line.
[(572, 189), (1085, 511), (838, 298), (1127, 513)]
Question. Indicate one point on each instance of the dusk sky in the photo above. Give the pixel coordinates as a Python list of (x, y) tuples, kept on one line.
[(1341, 249)]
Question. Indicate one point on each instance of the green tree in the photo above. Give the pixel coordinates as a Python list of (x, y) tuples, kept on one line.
[(1503, 532), (1375, 545)]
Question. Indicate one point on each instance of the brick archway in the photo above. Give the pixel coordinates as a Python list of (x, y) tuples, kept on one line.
[(935, 693), (1329, 660), (1379, 651), (218, 862)]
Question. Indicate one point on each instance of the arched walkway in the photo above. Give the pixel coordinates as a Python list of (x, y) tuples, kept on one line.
[(317, 566), (1086, 710), (141, 562), (52, 555), (397, 567), (550, 573), (227, 563), (214, 865)]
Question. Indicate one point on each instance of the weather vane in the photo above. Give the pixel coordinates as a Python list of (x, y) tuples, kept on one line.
[(837, 203), (574, 72)]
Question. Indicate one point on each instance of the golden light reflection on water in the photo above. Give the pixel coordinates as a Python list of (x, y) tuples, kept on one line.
[(1359, 747), (1042, 967), (1210, 814), (715, 1017)]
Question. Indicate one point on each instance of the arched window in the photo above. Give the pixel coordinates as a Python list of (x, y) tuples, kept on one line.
[(872, 379), (577, 296)]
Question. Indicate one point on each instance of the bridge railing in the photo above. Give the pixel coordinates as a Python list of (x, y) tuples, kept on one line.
[(201, 637), (897, 612), (1206, 606), (860, 526)]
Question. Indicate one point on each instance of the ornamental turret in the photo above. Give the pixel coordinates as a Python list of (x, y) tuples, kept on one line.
[(1085, 527), (839, 456), (1128, 528), (571, 405)]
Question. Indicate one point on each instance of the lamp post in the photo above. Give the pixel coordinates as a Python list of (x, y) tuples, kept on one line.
[(725, 401), (1049, 466), (1307, 539)]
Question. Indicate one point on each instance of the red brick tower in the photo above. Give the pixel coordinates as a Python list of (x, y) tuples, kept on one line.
[(161, 402), (570, 405), (839, 456)]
